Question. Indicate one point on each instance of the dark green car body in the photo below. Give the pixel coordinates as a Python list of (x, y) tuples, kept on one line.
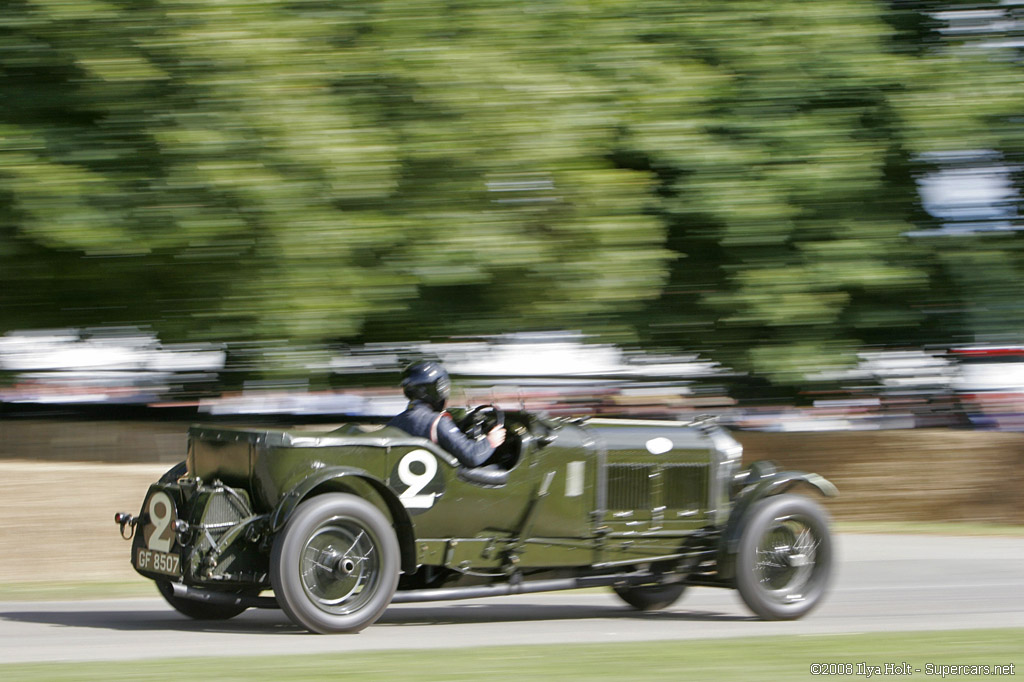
[(643, 506)]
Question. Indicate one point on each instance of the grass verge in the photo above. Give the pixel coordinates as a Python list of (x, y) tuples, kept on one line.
[(722, 660), (75, 591), (929, 528)]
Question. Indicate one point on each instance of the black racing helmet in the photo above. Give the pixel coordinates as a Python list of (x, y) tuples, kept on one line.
[(427, 381)]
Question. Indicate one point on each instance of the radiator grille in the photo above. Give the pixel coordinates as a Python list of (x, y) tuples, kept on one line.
[(224, 509), (685, 485), (629, 486)]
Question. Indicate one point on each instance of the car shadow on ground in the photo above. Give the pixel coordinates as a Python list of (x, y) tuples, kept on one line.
[(155, 620), (267, 621)]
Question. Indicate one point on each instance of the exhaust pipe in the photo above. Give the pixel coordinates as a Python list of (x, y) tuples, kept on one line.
[(223, 598)]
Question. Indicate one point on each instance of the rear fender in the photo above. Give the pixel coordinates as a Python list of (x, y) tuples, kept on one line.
[(767, 485), (355, 482)]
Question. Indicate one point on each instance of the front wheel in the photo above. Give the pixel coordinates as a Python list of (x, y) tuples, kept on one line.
[(335, 565), (784, 561)]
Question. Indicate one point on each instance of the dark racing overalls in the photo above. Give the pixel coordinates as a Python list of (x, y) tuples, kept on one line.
[(420, 419)]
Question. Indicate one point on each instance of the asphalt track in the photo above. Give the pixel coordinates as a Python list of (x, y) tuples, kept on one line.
[(883, 583)]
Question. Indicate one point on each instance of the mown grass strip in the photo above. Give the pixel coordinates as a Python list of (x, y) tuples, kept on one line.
[(721, 660), (77, 590)]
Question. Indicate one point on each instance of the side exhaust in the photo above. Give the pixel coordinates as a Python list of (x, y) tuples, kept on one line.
[(224, 598)]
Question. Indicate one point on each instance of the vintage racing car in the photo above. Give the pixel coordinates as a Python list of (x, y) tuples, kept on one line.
[(342, 523)]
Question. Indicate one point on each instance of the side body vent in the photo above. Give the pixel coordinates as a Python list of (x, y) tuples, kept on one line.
[(685, 486), (629, 486)]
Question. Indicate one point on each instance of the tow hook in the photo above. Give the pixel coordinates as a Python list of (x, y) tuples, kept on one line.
[(128, 521)]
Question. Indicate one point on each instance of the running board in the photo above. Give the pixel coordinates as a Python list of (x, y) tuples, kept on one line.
[(441, 594), (527, 587)]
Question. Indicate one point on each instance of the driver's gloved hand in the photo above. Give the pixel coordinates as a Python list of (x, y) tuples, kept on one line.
[(496, 436)]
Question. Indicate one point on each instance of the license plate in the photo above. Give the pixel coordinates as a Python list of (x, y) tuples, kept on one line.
[(158, 562)]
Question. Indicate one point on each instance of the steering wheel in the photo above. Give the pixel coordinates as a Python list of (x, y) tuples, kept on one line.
[(480, 420)]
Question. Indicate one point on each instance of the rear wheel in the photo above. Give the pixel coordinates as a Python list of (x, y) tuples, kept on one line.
[(197, 609), (784, 561), (651, 597), (335, 565)]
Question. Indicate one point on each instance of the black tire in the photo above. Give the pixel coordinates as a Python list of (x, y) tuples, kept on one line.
[(335, 565), (784, 560), (650, 597), (198, 610)]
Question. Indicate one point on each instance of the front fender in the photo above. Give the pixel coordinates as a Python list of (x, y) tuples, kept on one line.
[(357, 482), (767, 485)]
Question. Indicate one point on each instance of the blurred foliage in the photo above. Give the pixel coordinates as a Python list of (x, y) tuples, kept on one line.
[(736, 178)]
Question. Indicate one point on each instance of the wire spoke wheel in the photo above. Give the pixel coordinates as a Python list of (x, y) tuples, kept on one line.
[(335, 565), (784, 561), (340, 567)]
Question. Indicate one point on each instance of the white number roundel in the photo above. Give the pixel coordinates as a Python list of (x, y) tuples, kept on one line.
[(413, 496)]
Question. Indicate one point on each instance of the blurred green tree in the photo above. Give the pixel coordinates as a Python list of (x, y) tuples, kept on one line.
[(293, 169), (793, 190), (734, 177)]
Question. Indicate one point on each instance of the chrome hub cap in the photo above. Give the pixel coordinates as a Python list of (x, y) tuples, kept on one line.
[(339, 566), (786, 560)]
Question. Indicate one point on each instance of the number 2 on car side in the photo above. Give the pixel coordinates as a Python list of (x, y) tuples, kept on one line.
[(416, 479)]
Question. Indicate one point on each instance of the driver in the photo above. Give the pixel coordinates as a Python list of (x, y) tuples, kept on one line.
[(427, 387)]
